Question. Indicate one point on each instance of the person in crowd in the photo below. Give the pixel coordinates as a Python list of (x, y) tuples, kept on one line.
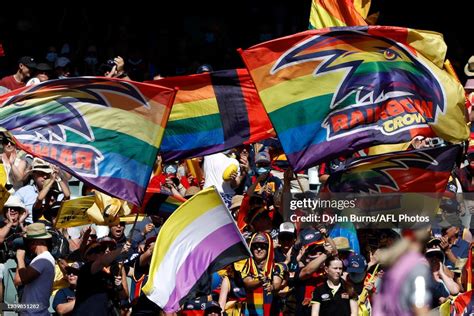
[(14, 163), (117, 233), (141, 305), (14, 215), (334, 296), (232, 295), (65, 298), (13, 224), (95, 286), (453, 246), (42, 73), (261, 276), (226, 183), (270, 184), (314, 252), (344, 250), (26, 65), (212, 308), (236, 202), (38, 277), (356, 269), (62, 67), (114, 68), (145, 229), (45, 176), (443, 285), (406, 282)]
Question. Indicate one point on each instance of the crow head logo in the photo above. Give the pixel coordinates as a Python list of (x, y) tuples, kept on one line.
[(376, 73)]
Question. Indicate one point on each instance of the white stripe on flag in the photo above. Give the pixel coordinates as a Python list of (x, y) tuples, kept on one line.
[(164, 279)]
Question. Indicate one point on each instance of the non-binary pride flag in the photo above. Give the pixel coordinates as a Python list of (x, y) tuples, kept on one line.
[(213, 112), (104, 131), (334, 91), (329, 13), (425, 170), (200, 237)]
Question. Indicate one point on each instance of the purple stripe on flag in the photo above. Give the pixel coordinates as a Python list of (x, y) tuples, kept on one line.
[(317, 153), (195, 152), (199, 259), (118, 187)]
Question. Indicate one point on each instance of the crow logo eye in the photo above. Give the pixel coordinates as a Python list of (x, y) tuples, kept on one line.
[(390, 54)]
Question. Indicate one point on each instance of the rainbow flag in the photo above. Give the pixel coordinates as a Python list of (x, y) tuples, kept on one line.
[(329, 13), (426, 170), (200, 237), (104, 131), (334, 91), (213, 112)]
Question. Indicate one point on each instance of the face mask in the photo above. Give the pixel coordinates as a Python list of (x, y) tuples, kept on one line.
[(51, 57), (262, 170), (170, 169)]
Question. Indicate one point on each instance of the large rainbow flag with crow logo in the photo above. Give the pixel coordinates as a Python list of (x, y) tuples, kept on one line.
[(213, 112), (104, 131), (334, 91)]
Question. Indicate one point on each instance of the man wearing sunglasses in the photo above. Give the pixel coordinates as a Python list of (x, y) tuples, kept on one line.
[(310, 272), (65, 298)]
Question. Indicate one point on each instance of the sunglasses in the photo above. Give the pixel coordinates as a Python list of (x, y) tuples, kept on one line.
[(76, 273), (6, 141), (314, 250), (259, 245)]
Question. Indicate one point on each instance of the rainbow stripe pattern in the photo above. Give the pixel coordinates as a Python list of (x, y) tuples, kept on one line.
[(330, 13), (104, 131), (213, 112)]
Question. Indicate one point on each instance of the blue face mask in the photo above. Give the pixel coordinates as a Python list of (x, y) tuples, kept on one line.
[(51, 57), (262, 170)]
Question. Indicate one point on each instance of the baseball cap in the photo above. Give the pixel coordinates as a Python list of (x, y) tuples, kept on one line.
[(204, 68), (311, 237), (27, 61), (287, 228), (435, 252), (357, 264), (74, 267)]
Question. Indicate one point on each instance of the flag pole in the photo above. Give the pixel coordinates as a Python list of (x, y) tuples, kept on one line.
[(130, 234)]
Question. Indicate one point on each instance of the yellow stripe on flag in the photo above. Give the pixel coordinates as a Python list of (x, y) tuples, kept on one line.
[(182, 217)]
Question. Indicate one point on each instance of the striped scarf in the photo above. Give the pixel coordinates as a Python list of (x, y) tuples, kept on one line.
[(259, 301)]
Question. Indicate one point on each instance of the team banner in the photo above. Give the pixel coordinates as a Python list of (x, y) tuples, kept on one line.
[(334, 91), (104, 131), (74, 213)]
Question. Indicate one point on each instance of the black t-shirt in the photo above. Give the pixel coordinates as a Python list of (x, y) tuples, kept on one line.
[(332, 304), (13, 229), (93, 292)]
